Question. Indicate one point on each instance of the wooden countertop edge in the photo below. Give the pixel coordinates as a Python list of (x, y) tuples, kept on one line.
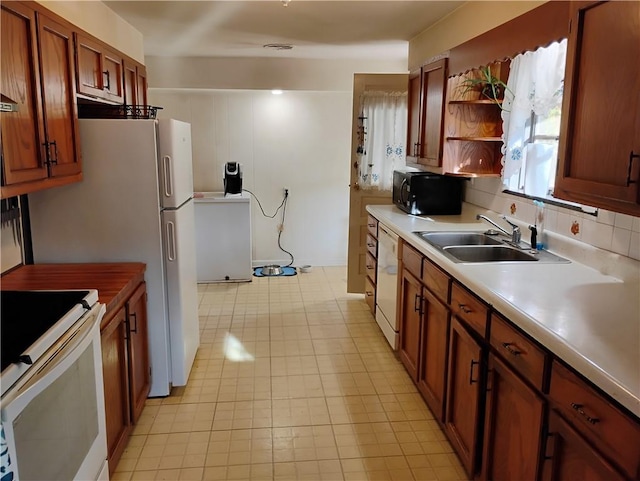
[(124, 277)]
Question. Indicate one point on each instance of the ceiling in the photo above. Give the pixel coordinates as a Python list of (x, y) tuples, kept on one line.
[(330, 29)]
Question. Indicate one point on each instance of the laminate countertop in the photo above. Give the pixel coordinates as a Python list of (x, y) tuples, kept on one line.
[(114, 281), (588, 319)]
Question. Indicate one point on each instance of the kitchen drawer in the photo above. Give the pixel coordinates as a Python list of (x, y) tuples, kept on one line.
[(370, 267), (412, 260), (372, 245), (614, 433), (518, 351), (370, 294), (469, 308), (372, 226), (436, 280)]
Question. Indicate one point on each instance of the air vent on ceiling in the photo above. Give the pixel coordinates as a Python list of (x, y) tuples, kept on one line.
[(278, 46)]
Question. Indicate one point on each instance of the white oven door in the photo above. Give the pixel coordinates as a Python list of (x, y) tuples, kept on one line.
[(54, 419)]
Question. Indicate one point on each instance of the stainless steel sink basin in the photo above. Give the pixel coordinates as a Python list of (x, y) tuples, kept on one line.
[(444, 239), (476, 247), (489, 254)]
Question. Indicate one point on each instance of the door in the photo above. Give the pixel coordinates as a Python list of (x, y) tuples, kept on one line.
[(139, 375), (463, 394), (176, 171), (23, 137), (432, 372), (57, 72), (434, 83), (569, 456), (410, 322), (358, 198), (600, 166), (178, 227), (116, 385), (513, 426)]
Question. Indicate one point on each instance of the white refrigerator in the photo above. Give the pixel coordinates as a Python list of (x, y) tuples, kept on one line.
[(134, 204)]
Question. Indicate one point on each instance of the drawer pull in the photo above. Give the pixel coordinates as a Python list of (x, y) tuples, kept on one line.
[(369, 293), (371, 225), (471, 380), (464, 308), (369, 267), (370, 244), (510, 350), (578, 407)]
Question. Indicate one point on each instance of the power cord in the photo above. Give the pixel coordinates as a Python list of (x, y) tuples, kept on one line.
[(283, 206)]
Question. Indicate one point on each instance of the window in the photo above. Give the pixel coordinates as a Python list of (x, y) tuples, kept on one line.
[(531, 120)]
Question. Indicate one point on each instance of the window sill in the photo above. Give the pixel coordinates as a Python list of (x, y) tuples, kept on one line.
[(549, 200)]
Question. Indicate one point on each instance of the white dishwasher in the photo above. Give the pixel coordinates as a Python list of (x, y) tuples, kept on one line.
[(387, 284), (223, 237)]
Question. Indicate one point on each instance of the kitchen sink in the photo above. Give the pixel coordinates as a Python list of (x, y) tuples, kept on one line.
[(444, 239), (476, 247), (489, 254)]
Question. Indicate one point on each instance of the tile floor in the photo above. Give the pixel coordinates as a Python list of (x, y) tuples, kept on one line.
[(293, 381)]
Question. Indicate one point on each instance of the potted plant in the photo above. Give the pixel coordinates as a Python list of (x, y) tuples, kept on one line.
[(490, 87)]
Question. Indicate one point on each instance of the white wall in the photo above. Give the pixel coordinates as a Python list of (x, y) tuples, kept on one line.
[(298, 140), (263, 73)]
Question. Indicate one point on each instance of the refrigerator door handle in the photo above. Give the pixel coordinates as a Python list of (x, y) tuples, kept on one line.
[(171, 241), (168, 181)]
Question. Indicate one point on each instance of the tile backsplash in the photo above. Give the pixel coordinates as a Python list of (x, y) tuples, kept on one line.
[(618, 233)]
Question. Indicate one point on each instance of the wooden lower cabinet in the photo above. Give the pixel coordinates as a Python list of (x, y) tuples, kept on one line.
[(432, 372), (463, 394), (411, 305), (139, 374), (570, 457), (513, 426), (125, 358), (116, 384)]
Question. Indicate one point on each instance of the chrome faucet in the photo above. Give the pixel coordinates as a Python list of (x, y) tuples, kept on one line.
[(515, 232)]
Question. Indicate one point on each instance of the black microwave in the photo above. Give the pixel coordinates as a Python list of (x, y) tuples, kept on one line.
[(426, 193)]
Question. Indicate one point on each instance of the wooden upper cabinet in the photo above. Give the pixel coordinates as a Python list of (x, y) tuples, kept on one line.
[(57, 72), (135, 83), (434, 83), (40, 144), (414, 108), (99, 70), (599, 156), (142, 85), (426, 95), (22, 131)]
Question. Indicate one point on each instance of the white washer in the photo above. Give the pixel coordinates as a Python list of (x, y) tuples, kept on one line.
[(223, 237)]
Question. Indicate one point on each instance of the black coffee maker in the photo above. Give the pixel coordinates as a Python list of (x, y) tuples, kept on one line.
[(232, 178)]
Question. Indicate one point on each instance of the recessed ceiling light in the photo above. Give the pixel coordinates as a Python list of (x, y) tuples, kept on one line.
[(278, 46)]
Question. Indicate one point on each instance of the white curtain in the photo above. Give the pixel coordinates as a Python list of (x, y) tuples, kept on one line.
[(535, 85), (384, 117)]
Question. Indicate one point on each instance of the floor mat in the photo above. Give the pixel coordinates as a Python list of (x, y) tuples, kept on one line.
[(286, 271)]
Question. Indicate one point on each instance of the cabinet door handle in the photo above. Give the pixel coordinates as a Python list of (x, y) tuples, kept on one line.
[(464, 308), (54, 158), (550, 442), (578, 408), (510, 350), (417, 304), (370, 244), (471, 380), (135, 321), (632, 156), (369, 293), (371, 225), (107, 74)]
